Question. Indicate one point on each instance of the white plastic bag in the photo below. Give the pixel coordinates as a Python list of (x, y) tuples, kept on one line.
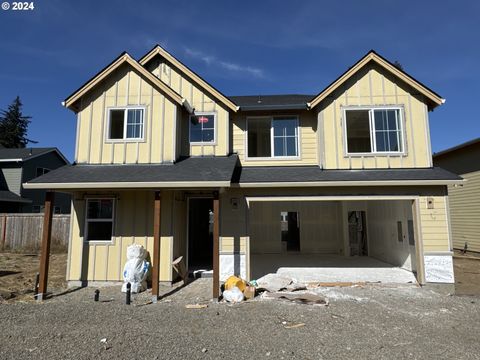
[(233, 295), (136, 269)]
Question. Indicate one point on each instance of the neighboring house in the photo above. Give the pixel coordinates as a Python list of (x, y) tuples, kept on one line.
[(21, 165), (251, 184), (464, 199)]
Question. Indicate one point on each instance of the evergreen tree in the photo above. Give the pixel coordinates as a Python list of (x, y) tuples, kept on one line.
[(14, 126)]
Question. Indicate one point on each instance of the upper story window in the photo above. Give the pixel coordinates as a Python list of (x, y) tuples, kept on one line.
[(126, 123), (202, 128), (272, 137), (41, 171), (374, 130), (99, 219)]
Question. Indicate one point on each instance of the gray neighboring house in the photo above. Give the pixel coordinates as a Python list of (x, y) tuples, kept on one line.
[(18, 166)]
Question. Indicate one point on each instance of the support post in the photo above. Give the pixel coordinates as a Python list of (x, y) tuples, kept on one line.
[(417, 228), (45, 250), (216, 245), (156, 247)]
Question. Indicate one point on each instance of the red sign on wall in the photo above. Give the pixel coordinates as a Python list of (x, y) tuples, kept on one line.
[(202, 119)]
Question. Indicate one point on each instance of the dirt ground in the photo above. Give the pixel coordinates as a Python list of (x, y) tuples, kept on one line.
[(467, 274), (17, 275)]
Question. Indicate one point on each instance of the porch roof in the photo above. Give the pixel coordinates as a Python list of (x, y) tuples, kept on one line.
[(315, 176), (8, 196), (185, 173)]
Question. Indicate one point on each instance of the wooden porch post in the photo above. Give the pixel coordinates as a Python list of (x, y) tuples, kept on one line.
[(156, 247), (216, 245), (45, 250)]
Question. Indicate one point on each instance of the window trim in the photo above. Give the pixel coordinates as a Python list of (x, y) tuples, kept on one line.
[(272, 149), (87, 220), (373, 140), (125, 117), (199, 113)]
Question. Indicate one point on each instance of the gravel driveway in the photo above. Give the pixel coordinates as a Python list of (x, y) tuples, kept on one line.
[(364, 322)]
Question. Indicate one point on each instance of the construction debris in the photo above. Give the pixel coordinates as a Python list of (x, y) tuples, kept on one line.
[(273, 283), (196, 306), (307, 298), (294, 326)]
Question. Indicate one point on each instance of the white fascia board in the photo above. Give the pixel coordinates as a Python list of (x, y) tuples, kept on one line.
[(348, 183), (127, 185)]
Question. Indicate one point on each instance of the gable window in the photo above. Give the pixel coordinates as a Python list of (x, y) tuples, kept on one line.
[(375, 130), (41, 171), (272, 137), (126, 124), (202, 128), (99, 219)]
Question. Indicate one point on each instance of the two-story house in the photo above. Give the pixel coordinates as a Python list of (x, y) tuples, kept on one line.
[(20, 165), (251, 184)]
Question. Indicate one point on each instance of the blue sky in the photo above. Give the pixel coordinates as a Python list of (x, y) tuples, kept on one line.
[(247, 47)]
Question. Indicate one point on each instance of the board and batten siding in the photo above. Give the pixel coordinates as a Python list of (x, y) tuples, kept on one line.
[(307, 139), (201, 101), (13, 178), (373, 86), (434, 224), (465, 212), (133, 224), (126, 88)]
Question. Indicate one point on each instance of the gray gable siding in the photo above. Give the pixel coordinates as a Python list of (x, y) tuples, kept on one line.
[(12, 175)]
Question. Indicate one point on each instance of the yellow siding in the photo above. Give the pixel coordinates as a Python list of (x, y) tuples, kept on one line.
[(201, 101), (133, 225), (308, 141), (465, 212), (126, 88), (373, 86), (434, 224)]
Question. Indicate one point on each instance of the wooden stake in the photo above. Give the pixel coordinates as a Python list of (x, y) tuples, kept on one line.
[(216, 245), (46, 239), (156, 247)]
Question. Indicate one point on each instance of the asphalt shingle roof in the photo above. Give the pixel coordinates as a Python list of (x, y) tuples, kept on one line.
[(8, 196), (188, 169), (314, 174), (272, 102), (22, 153)]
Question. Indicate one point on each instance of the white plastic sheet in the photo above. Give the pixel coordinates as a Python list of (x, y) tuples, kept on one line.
[(136, 269)]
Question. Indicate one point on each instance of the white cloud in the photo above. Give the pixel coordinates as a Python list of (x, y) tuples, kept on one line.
[(211, 60)]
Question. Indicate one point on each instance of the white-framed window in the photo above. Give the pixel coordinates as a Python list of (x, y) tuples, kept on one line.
[(273, 137), (376, 130), (202, 128), (126, 123), (41, 171), (99, 215)]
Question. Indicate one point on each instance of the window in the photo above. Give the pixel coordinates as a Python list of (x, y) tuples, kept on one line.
[(376, 130), (272, 137), (41, 171), (202, 128), (99, 219), (126, 124)]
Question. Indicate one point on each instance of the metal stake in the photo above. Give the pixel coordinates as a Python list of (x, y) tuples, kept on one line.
[(127, 299)]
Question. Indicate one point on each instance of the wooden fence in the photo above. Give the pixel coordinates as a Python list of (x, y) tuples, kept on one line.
[(23, 232)]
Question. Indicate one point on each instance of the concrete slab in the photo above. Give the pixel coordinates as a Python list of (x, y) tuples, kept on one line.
[(329, 268)]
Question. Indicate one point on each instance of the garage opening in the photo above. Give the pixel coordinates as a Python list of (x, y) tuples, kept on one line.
[(333, 241)]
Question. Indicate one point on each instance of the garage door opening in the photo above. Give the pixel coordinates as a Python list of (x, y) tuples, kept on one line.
[(333, 241)]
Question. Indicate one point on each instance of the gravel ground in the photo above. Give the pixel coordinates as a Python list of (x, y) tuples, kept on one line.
[(374, 322)]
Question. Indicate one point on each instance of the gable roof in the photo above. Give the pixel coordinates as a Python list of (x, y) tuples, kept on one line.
[(457, 147), (158, 50), (25, 154), (124, 58), (387, 65), (272, 102)]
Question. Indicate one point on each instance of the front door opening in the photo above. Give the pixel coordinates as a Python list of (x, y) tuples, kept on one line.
[(289, 225), (200, 234), (357, 233)]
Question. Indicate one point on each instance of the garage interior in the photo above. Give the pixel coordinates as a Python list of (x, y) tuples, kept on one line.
[(333, 241)]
